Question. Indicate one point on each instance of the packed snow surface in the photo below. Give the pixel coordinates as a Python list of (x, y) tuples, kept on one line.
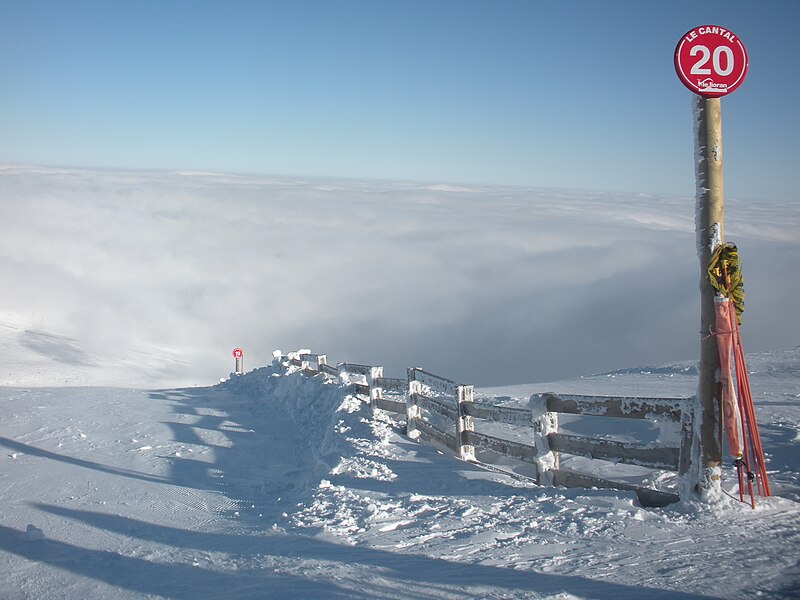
[(277, 484)]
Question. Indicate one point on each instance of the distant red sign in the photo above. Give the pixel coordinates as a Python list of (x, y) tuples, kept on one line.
[(237, 353), (711, 61)]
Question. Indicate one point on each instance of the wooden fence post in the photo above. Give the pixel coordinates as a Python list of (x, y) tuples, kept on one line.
[(412, 410), (375, 394), (308, 358), (688, 448), (545, 422), (464, 423), (375, 388), (374, 373)]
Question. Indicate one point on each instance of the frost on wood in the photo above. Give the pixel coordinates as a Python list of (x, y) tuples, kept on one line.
[(545, 423), (699, 169)]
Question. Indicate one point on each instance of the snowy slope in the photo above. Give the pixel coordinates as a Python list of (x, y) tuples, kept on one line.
[(36, 355), (276, 485)]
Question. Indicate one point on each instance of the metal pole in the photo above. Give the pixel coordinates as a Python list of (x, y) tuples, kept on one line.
[(710, 229)]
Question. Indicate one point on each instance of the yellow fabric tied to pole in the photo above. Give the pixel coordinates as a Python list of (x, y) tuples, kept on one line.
[(725, 274)]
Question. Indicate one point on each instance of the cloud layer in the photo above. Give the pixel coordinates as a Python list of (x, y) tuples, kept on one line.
[(485, 285)]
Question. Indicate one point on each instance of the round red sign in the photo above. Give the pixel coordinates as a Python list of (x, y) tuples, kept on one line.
[(711, 61), (237, 353)]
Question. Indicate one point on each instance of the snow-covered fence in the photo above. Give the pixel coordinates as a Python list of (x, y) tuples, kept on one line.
[(530, 425), (394, 386), (303, 359), (445, 402), (677, 411), (308, 359), (362, 376), (442, 411), (329, 370)]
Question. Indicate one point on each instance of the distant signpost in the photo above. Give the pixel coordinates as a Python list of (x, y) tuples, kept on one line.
[(238, 354), (711, 61)]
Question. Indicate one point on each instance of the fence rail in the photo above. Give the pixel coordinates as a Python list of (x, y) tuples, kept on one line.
[(444, 412), (624, 452), (523, 452), (614, 406), (501, 414)]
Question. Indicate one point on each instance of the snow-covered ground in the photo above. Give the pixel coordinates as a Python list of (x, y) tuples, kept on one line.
[(275, 484)]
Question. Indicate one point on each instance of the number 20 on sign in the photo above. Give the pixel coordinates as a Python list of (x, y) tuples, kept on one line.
[(711, 61)]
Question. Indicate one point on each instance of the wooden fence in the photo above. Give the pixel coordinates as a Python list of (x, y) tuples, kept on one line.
[(443, 412)]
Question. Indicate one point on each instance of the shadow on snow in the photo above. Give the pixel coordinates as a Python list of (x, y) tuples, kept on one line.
[(272, 459)]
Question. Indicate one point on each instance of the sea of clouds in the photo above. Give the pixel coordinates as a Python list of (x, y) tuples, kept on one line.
[(485, 285)]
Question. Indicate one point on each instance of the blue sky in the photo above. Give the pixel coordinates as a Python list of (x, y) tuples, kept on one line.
[(568, 94)]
